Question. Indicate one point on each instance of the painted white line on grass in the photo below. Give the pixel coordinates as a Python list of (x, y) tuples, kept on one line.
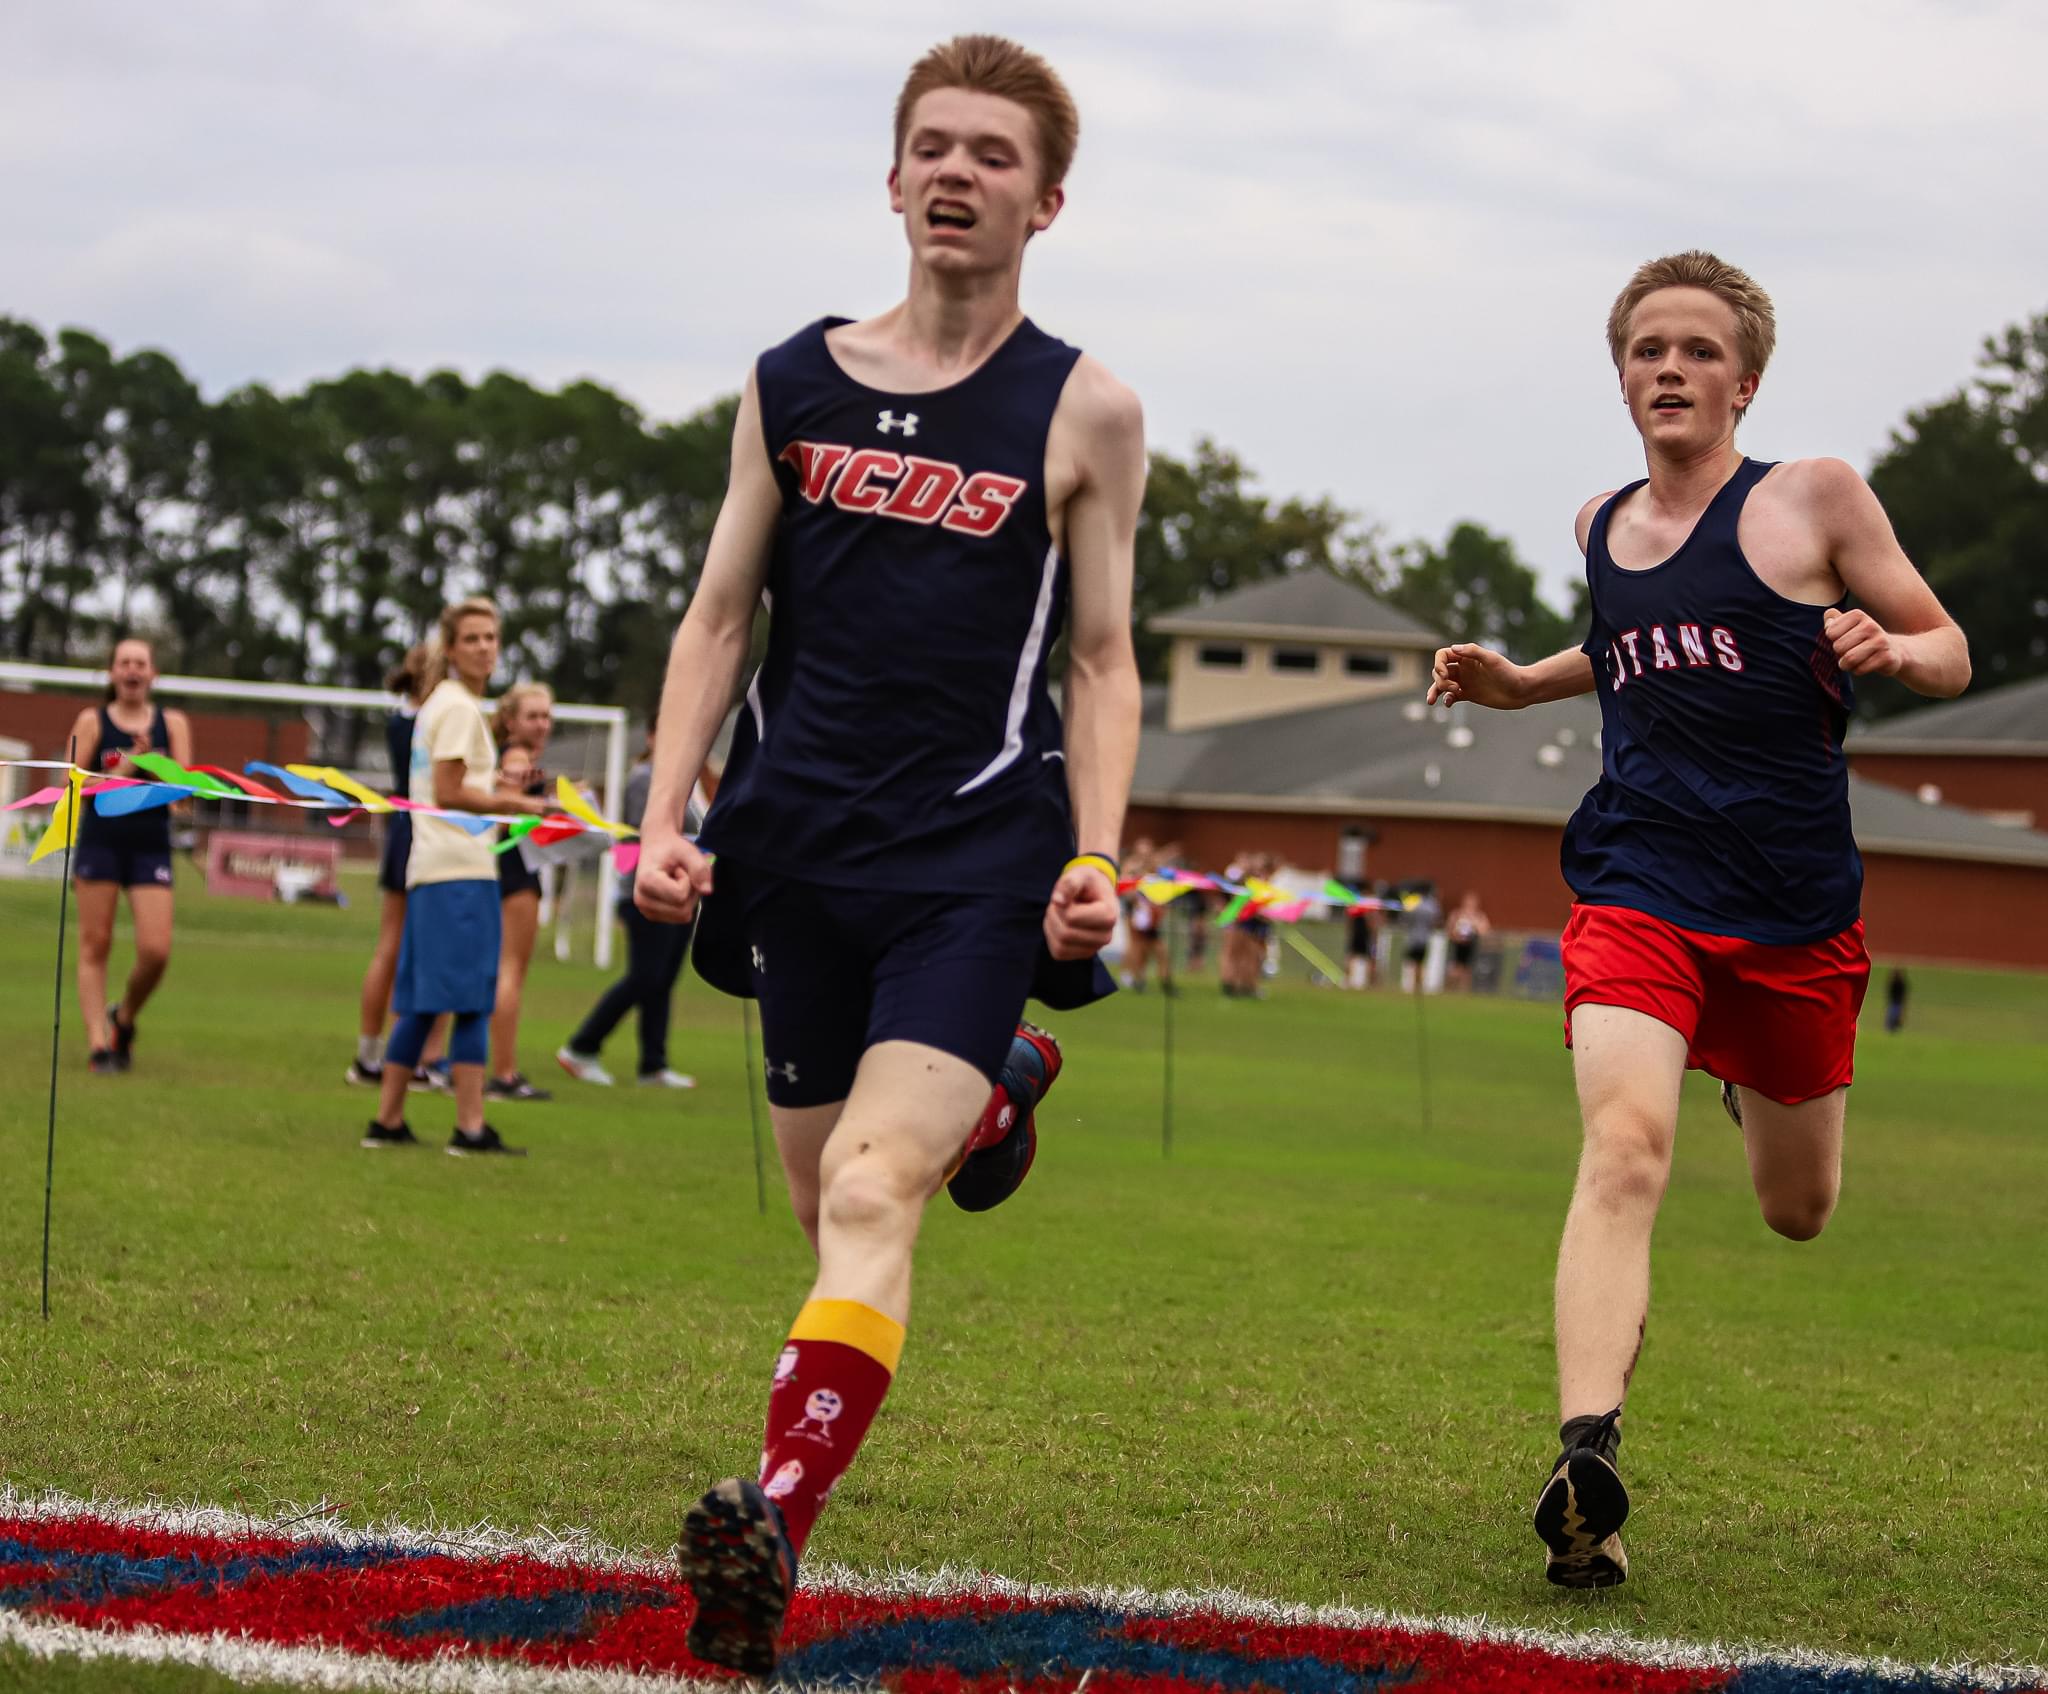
[(578, 1547)]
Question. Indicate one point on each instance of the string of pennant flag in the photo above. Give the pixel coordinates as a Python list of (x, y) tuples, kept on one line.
[(324, 789)]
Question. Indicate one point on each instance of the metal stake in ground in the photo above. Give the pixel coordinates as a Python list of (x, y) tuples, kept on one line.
[(1166, 994), (74, 798), (753, 1109), (1421, 1048)]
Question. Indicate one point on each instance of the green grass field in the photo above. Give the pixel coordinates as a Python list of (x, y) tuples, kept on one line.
[(1307, 1356)]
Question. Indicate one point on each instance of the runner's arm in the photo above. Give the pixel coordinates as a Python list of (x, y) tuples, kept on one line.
[(704, 665), (1102, 709), (83, 748), (1486, 678), (179, 727), (1102, 690), (1904, 632)]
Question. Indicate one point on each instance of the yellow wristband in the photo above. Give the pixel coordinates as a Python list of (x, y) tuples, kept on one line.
[(1094, 861)]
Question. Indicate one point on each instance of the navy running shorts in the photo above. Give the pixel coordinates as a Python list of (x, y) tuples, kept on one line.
[(515, 876), (837, 970), (448, 953), (112, 861)]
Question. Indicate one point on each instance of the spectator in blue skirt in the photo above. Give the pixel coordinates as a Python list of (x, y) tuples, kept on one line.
[(448, 952)]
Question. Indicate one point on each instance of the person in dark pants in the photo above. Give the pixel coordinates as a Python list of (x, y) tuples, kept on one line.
[(654, 959)]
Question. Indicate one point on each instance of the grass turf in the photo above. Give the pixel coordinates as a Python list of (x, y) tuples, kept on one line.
[(1307, 1356)]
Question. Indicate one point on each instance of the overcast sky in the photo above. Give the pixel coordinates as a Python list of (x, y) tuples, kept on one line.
[(1370, 246)]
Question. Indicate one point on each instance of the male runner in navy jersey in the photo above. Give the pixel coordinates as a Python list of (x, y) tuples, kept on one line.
[(922, 495), (1716, 879)]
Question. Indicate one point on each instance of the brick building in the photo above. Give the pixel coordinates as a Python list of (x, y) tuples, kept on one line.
[(1329, 741)]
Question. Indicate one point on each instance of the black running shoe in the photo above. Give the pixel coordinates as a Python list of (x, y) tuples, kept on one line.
[(378, 1136), (736, 1557), (359, 1076), (999, 1153), (124, 1040), (487, 1140), (1583, 1506), (1731, 1102), (104, 1062), (513, 1087)]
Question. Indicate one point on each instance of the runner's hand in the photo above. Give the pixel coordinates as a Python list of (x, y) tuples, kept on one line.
[(1081, 916), (1862, 647), (1479, 674), (672, 876)]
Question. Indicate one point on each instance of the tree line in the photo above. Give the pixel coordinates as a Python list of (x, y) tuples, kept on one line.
[(311, 536)]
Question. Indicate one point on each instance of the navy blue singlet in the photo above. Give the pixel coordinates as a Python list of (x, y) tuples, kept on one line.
[(899, 734), (145, 831), (1723, 801)]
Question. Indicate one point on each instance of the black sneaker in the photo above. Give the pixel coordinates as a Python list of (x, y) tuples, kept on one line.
[(486, 1140), (1731, 1102), (104, 1062), (356, 1076), (999, 1153), (1583, 1506), (736, 1557), (513, 1087), (124, 1040), (378, 1136)]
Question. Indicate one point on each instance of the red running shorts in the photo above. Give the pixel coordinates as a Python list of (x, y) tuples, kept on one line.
[(1780, 1020)]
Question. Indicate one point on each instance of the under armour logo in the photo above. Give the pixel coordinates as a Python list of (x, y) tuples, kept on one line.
[(889, 420), (787, 1072), (760, 964)]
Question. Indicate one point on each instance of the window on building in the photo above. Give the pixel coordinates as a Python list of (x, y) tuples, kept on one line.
[(1368, 664), (1297, 659), (1220, 656)]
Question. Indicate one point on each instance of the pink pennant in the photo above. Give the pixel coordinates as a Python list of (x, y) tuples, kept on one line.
[(344, 818), (41, 797), (625, 857)]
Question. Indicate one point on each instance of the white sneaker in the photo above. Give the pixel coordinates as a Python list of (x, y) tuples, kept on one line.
[(582, 1069), (667, 1079)]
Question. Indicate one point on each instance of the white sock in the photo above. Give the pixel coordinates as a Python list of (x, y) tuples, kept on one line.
[(370, 1052)]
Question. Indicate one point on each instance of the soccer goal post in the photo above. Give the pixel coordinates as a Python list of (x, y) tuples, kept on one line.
[(607, 722)]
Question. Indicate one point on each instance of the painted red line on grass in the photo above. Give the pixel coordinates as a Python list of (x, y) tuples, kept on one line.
[(401, 1606)]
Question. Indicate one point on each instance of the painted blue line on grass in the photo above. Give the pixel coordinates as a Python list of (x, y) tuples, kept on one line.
[(563, 1614), (71, 1577), (1060, 1643)]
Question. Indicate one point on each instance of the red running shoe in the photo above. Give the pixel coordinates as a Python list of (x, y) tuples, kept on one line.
[(998, 1155)]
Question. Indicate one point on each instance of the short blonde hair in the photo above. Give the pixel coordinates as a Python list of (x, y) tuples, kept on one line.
[(992, 64), (1756, 323)]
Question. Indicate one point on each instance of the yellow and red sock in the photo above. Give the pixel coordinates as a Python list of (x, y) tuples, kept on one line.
[(829, 1383)]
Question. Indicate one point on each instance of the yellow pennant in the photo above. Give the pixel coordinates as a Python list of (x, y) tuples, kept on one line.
[(63, 830), (367, 798), (581, 809), (1162, 892)]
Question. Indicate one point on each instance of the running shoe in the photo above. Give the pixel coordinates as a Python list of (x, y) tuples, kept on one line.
[(513, 1087), (124, 1040), (998, 1155), (359, 1075), (378, 1136), (486, 1140), (1583, 1506), (736, 1557), (104, 1062), (583, 1069), (665, 1079)]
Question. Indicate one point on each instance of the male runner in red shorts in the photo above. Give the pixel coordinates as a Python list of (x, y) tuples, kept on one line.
[(1716, 877), (922, 495)]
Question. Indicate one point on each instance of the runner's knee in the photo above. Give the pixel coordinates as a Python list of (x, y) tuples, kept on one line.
[(870, 1188), (1800, 1213), (152, 958), (1626, 1162)]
